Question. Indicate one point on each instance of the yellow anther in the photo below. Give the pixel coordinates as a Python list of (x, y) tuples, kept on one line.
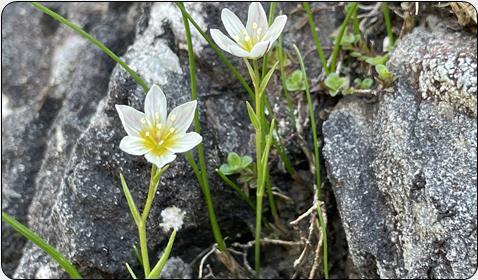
[(143, 120), (254, 25), (160, 142), (244, 31), (247, 38), (173, 118), (158, 126), (147, 133), (171, 130)]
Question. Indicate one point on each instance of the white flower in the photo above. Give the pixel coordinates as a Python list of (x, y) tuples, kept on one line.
[(252, 41), (172, 218), (155, 134)]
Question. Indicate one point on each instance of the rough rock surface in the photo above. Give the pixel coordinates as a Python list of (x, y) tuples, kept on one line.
[(403, 169), (66, 186)]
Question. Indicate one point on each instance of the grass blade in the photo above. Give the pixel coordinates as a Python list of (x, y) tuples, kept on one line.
[(37, 240), (131, 272), (129, 199), (338, 39), (315, 38), (235, 187), (93, 40), (317, 161), (156, 272)]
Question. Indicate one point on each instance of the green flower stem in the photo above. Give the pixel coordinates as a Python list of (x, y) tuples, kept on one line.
[(315, 38), (204, 182), (151, 193), (260, 192), (388, 23), (341, 33), (316, 161), (143, 240), (92, 39)]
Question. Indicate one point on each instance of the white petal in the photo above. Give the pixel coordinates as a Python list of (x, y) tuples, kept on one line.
[(133, 145), (259, 50), (182, 116), (238, 51), (160, 161), (222, 40), (186, 142), (232, 23), (276, 29), (130, 118), (258, 16), (156, 103)]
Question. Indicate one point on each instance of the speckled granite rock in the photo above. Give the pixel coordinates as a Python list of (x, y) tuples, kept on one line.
[(404, 169)]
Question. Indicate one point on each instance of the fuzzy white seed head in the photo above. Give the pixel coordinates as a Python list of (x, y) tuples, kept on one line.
[(172, 218)]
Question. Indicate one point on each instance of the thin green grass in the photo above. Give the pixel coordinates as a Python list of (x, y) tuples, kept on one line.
[(197, 127), (315, 37), (93, 40), (340, 35), (388, 23), (47, 248), (316, 162)]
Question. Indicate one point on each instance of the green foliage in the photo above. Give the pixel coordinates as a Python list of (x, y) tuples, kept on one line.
[(336, 84), (376, 60), (295, 81), (47, 248), (384, 75), (366, 83), (235, 164)]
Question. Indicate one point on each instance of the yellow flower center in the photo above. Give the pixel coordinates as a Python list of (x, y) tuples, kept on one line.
[(158, 138), (248, 41)]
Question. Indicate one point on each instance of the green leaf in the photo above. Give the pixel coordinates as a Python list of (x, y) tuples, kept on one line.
[(348, 39), (377, 59), (37, 240), (383, 72), (138, 255), (245, 161), (251, 72), (234, 160), (131, 272), (295, 82), (156, 272), (252, 116), (226, 169), (335, 83), (265, 157), (129, 199), (367, 83), (267, 77)]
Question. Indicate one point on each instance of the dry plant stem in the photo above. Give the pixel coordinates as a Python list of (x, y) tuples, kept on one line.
[(203, 259)]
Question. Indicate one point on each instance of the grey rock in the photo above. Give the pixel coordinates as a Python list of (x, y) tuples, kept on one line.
[(403, 169)]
